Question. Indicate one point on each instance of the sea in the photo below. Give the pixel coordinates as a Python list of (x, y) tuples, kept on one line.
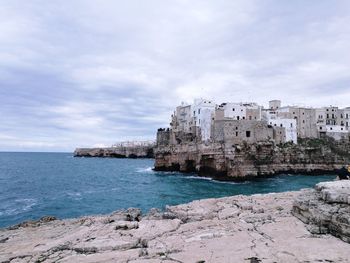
[(33, 185)]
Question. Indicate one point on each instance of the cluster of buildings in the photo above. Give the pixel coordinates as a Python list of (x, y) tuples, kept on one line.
[(250, 122)]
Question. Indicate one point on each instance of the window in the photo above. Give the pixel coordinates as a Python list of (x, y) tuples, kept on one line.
[(281, 125), (199, 111), (233, 109), (320, 128), (331, 128), (236, 134), (247, 134), (199, 121), (194, 112), (237, 117), (303, 121), (243, 118), (250, 117), (327, 116), (236, 128), (291, 125)]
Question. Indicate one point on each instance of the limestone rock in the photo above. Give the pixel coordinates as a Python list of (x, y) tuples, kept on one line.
[(227, 161), (326, 209), (231, 229)]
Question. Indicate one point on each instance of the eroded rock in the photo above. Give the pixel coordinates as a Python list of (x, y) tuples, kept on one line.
[(231, 229), (326, 209)]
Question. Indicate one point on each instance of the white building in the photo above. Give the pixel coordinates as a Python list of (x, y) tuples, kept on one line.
[(241, 111), (332, 121), (202, 111), (235, 111), (290, 126), (183, 114)]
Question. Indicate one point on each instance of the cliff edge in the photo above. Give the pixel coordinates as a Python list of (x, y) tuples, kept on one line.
[(224, 161)]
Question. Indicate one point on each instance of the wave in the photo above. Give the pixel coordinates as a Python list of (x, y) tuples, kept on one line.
[(198, 177), (213, 180), (19, 206), (73, 194), (145, 169)]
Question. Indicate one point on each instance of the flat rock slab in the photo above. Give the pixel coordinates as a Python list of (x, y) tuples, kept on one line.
[(326, 210), (258, 228)]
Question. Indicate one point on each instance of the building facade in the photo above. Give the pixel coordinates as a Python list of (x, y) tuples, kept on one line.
[(249, 122)]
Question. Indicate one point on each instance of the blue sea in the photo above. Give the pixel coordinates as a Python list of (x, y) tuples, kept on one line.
[(33, 185)]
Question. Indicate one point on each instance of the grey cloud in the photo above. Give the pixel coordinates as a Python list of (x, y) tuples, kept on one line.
[(80, 73)]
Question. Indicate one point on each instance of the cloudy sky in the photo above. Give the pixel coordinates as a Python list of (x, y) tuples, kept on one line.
[(86, 72)]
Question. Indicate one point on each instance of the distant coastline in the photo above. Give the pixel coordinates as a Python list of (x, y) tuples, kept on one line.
[(122, 150)]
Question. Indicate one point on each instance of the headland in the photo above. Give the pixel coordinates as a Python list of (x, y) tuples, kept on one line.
[(243, 141), (135, 149)]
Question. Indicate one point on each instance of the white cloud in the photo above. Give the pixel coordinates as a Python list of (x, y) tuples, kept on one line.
[(80, 73)]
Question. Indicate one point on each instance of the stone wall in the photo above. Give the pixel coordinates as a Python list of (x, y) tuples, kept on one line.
[(163, 137), (250, 131)]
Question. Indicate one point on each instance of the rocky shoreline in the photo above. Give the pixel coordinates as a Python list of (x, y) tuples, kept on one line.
[(249, 161), (116, 152), (257, 228)]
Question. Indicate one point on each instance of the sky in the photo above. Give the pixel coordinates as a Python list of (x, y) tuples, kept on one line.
[(84, 73)]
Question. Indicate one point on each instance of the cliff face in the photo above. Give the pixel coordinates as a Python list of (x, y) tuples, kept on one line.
[(232, 229), (116, 152), (243, 161)]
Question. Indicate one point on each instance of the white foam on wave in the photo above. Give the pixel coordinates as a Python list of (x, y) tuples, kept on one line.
[(213, 180), (19, 206), (74, 194), (198, 177), (145, 169)]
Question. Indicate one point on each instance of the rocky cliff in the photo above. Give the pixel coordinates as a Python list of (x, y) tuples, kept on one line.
[(245, 161), (116, 152), (326, 209), (258, 228)]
